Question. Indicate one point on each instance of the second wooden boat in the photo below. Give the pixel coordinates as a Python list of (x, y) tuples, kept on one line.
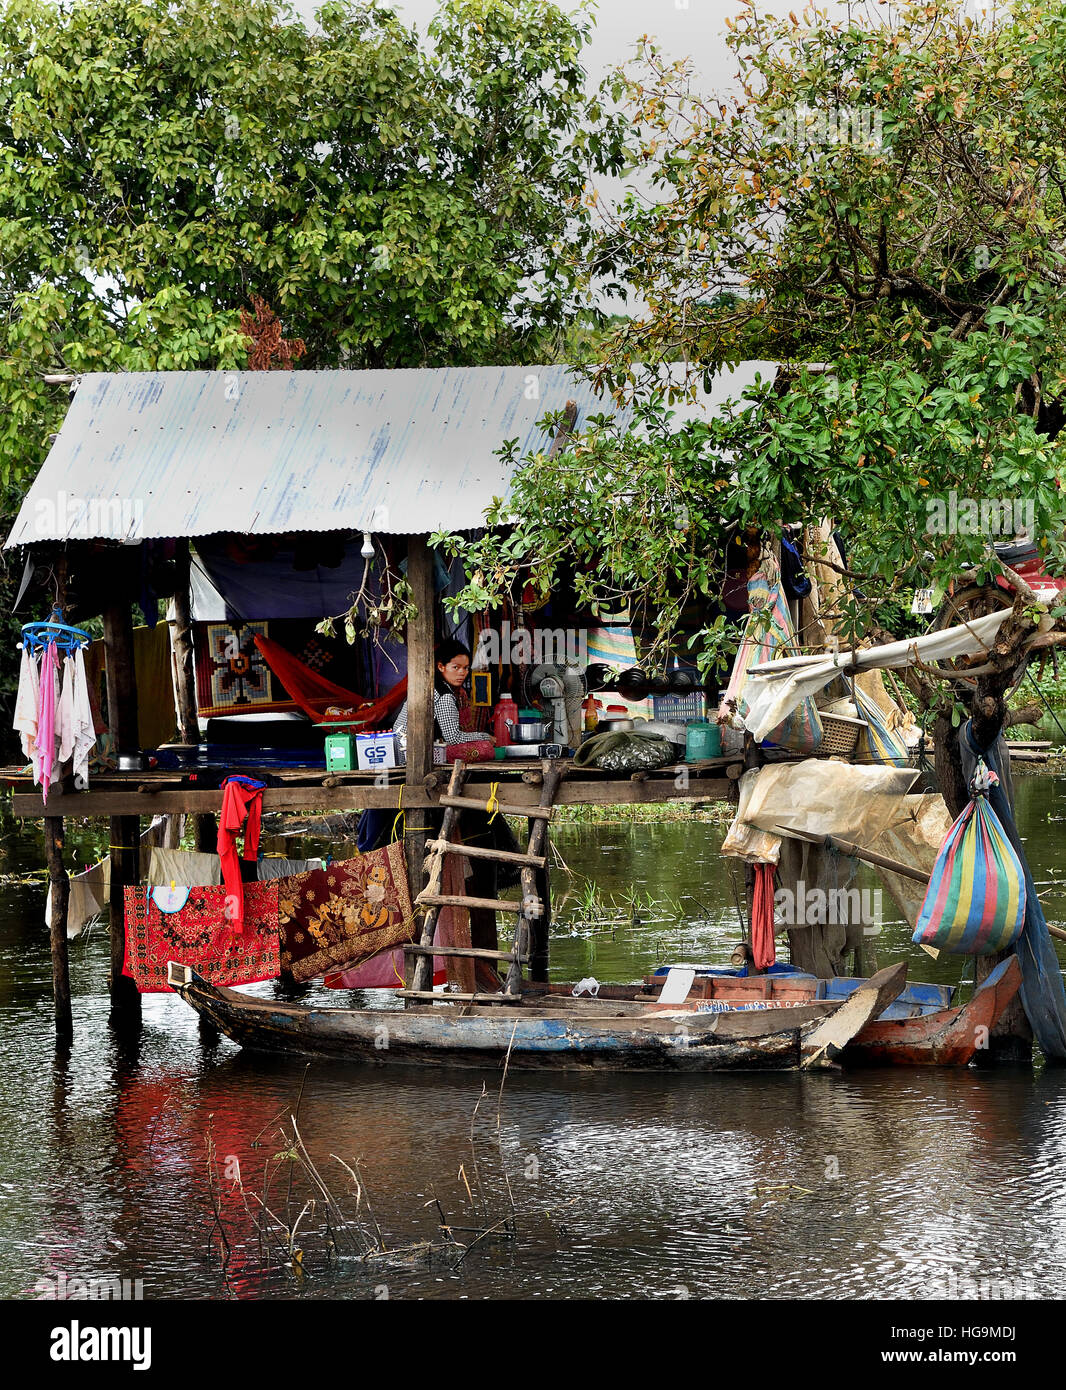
[(923, 1027)]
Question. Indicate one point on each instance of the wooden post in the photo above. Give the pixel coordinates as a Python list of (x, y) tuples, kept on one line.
[(541, 926), (206, 834), (420, 674), (125, 870), (181, 650), (125, 830), (59, 887)]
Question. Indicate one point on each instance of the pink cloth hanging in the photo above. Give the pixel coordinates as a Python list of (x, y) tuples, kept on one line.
[(45, 743)]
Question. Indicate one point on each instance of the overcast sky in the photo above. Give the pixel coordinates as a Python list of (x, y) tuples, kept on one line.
[(692, 28)]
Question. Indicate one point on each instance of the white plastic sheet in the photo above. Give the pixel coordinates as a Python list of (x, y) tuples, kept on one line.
[(776, 689)]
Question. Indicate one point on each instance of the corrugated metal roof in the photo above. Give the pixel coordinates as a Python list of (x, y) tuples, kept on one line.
[(153, 454), (147, 455)]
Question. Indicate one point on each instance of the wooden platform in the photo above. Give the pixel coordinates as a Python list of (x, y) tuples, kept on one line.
[(312, 789)]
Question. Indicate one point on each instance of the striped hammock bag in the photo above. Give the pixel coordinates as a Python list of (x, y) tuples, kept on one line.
[(878, 743), (975, 902)]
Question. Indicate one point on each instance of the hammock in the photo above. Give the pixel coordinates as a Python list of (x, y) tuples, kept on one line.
[(322, 700)]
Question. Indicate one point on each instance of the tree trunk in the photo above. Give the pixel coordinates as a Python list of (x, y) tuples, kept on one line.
[(181, 646)]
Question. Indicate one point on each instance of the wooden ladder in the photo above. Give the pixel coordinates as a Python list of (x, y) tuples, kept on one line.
[(526, 910)]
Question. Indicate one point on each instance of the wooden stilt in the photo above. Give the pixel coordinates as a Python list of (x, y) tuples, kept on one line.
[(541, 927), (121, 683), (206, 834), (420, 676), (59, 887), (125, 830), (181, 648), (172, 831), (125, 870)]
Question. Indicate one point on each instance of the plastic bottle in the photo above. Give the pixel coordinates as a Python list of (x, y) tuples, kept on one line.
[(592, 708), (503, 717)]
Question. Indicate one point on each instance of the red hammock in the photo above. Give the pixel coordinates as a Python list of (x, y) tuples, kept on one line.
[(321, 699)]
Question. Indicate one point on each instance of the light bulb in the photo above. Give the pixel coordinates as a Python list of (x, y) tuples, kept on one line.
[(367, 551)]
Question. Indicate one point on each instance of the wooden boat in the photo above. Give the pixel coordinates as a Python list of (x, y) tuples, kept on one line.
[(922, 1027), (937, 1037), (551, 1033)]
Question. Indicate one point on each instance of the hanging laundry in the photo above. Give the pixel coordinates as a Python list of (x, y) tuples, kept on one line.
[(763, 948), (44, 761), (242, 800), (52, 704), (186, 867), (90, 891), (65, 713), (153, 670), (386, 969), (198, 934), (83, 727), (89, 895), (343, 914), (273, 866), (27, 703), (383, 971)]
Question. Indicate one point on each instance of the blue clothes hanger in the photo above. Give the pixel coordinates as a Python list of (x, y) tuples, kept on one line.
[(37, 636)]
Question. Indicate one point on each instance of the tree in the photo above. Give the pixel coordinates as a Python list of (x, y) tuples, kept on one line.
[(886, 197), (394, 206), (165, 165)]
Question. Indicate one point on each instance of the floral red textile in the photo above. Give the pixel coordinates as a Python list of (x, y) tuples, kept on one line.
[(198, 934)]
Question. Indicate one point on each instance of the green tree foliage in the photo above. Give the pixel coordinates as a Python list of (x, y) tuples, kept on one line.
[(884, 198), (396, 205)]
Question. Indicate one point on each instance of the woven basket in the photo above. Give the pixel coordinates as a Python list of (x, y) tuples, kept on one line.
[(839, 734)]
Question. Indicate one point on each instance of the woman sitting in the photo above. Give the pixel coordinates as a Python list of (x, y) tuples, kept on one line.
[(451, 708)]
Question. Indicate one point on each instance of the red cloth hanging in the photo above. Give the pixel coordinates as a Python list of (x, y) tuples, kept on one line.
[(762, 917), (240, 802)]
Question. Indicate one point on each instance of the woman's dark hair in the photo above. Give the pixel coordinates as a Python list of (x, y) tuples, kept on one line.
[(447, 651)]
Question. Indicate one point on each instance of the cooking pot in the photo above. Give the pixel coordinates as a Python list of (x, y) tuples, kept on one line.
[(529, 730), (599, 677), (616, 726), (633, 684), (132, 762)]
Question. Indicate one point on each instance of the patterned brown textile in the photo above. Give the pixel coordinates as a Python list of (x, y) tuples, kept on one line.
[(345, 913)]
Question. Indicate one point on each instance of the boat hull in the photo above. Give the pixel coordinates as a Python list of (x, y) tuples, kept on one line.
[(945, 1038), (586, 1035), (439, 1036)]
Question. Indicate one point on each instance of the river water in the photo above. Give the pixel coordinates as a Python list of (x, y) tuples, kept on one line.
[(892, 1184)]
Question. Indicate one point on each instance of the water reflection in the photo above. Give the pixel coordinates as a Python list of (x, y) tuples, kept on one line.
[(873, 1185)]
